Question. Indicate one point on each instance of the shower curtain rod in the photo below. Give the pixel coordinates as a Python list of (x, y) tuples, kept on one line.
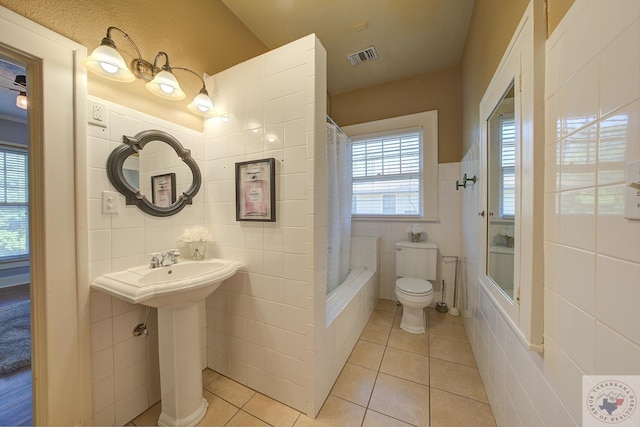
[(330, 120)]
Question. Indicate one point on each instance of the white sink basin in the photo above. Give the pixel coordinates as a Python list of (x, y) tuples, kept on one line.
[(179, 285)]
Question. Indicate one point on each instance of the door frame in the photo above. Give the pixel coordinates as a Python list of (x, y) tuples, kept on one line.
[(61, 352)]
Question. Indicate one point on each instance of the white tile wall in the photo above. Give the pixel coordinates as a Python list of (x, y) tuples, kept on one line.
[(125, 373), (445, 233), (257, 322), (592, 254)]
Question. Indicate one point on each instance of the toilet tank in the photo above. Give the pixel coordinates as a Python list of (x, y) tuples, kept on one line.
[(416, 259)]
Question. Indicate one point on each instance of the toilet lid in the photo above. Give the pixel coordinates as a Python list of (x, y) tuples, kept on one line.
[(414, 286)]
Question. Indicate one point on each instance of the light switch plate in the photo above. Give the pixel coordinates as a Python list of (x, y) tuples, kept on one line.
[(632, 191), (110, 202)]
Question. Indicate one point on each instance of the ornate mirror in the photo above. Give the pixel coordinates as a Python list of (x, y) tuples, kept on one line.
[(154, 172)]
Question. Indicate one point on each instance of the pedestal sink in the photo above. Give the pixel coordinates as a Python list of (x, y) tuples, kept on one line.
[(175, 291)]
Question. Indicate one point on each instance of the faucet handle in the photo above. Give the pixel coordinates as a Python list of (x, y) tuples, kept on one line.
[(173, 254), (155, 260)]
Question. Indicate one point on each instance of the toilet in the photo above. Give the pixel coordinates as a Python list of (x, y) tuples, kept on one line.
[(415, 267)]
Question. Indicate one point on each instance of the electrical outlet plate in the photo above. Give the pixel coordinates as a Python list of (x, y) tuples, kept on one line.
[(632, 191), (97, 114)]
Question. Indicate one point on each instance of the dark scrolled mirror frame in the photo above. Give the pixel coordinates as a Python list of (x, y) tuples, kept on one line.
[(133, 196)]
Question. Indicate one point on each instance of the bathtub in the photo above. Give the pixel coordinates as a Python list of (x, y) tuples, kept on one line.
[(348, 308)]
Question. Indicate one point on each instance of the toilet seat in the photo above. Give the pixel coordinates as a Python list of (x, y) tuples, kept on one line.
[(413, 286)]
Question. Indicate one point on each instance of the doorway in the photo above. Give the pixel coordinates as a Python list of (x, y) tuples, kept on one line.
[(59, 290), (15, 296)]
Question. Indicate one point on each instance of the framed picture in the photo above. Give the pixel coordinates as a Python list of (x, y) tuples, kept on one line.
[(256, 190), (163, 190)]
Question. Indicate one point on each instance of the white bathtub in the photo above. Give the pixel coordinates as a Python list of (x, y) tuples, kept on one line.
[(348, 308)]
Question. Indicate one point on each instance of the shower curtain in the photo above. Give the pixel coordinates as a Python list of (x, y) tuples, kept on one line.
[(338, 207)]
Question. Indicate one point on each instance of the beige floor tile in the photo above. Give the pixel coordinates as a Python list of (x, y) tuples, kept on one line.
[(443, 317), (401, 399), (271, 411), (355, 384), (406, 365), (457, 379), (149, 417), (452, 350), (231, 391), (376, 419), (376, 333), (382, 318), (452, 410), (208, 375), (367, 354), (415, 343), (448, 329), (335, 412), (242, 419), (386, 305), (219, 411)]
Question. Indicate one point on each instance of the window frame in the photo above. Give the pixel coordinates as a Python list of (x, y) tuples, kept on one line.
[(384, 161), (428, 121)]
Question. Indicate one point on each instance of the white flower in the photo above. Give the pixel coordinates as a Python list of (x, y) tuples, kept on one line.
[(197, 233), (507, 232), (414, 229)]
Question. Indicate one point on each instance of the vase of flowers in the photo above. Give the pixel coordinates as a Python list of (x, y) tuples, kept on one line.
[(509, 237), (195, 241), (414, 232)]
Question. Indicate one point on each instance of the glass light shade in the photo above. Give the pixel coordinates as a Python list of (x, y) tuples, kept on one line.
[(202, 105), (107, 62), (165, 85), (21, 101)]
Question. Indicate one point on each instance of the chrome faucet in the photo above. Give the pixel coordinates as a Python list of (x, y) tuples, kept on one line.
[(169, 257)]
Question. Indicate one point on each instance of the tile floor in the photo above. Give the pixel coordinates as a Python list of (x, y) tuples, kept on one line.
[(392, 378)]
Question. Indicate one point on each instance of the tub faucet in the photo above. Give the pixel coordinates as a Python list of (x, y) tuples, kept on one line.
[(169, 257)]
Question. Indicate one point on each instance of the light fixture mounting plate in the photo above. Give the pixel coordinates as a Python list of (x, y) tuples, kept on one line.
[(143, 69)]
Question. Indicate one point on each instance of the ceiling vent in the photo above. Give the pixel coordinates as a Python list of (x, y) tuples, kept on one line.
[(364, 55)]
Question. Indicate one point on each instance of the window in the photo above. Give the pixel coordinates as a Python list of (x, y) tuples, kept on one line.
[(395, 167), (507, 166), (14, 203), (387, 173)]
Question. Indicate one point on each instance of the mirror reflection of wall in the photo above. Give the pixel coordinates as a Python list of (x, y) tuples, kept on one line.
[(501, 196), (159, 158), (131, 170)]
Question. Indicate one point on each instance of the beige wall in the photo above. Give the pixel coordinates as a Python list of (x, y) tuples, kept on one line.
[(438, 90), (202, 35), (556, 9), (492, 25)]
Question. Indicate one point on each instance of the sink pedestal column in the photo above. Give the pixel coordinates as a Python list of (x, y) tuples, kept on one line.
[(180, 367)]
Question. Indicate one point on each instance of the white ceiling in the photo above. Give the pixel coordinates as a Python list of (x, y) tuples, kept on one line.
[(411, 36)]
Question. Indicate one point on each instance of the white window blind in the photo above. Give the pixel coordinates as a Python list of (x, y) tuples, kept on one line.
[(14, 203), (507, 166), (387, 173)]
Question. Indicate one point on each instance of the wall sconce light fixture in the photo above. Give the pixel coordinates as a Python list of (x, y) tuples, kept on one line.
[(107, 62)]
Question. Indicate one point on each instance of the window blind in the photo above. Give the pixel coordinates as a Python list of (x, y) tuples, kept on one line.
[(387, 174), (14, 203), (507, 167)]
